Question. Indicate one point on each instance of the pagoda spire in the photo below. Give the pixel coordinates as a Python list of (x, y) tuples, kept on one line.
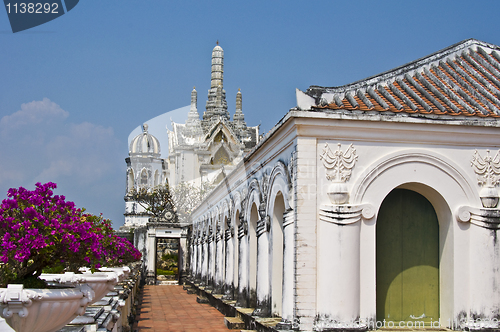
[(216, 107), (239, 117), (193, 123), (217, 66), (194, 101), (238, 102)]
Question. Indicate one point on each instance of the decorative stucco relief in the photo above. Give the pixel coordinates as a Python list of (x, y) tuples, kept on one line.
[(346, 214), (338, 164), (339, 167), (485, 218), (488, 171)]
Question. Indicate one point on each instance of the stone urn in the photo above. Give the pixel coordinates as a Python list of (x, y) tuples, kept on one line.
[(489, 197), (42, 310), (338, 193)]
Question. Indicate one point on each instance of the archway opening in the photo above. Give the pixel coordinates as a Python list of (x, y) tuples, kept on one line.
[(407, 259), (277, 255), (167, 260)]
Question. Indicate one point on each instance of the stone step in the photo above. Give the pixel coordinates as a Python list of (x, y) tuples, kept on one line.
[(201, 299), (234, 323)]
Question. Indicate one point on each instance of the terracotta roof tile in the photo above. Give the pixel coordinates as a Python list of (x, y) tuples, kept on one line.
[(463, 79)]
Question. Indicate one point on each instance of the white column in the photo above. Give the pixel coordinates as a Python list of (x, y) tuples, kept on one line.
[(484, 266), (211, 261), (204, 260), (338, 297), (243, 260), (193, 255), (199, 257), (288, 267), (219, 267), (263, 308), (229, 275), (151, 259)]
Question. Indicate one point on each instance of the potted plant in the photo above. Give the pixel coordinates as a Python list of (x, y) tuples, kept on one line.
[(40, 231)]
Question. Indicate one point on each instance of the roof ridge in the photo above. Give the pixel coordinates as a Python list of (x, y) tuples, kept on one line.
[(462, 79), (390, 74)]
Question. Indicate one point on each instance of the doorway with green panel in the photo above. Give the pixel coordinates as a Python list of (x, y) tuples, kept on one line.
[(407, 254)]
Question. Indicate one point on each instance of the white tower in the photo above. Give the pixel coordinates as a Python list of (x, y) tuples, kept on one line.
[(145, 169)]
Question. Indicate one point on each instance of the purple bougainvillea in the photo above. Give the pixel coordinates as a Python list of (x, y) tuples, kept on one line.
[(40, 230)]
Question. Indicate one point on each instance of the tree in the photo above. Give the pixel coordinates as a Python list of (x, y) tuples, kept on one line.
[(157, 201), (187, 197)]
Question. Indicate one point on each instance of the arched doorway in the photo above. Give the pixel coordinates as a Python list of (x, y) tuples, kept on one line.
[(407, 259)]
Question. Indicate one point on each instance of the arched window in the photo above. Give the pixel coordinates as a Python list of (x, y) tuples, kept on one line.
[(144, 177), (130, 180)]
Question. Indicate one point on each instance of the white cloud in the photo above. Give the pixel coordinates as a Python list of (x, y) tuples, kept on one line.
[(38, 144), (34, 113)]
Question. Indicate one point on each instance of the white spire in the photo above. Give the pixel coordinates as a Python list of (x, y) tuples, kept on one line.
[(217, 66), (194, 100), (238, 117), (193, 123), (216, 107), (238, 101)]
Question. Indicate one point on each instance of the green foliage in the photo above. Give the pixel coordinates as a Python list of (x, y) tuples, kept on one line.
[(166, 257), (54, 269), (161, 272), (31, 282)]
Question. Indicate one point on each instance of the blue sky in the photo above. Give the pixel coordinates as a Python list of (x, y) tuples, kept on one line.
[(73, 89)]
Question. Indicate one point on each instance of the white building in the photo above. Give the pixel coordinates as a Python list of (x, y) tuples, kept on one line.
[(371, 203), (145, 169), (201, 151)]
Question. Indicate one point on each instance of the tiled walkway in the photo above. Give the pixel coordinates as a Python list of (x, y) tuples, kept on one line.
[(171, 309)]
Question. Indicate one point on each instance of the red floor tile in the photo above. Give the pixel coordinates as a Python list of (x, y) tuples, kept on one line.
[(170, 308)]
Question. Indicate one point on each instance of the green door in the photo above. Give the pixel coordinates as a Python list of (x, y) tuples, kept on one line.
[(407, 259)]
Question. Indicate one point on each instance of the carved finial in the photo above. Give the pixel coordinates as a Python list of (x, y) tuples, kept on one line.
[(145, 128), (217, 42)]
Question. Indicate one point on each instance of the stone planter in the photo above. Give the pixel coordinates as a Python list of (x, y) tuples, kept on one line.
[(42, 310), (100, 282), (122, 272)]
